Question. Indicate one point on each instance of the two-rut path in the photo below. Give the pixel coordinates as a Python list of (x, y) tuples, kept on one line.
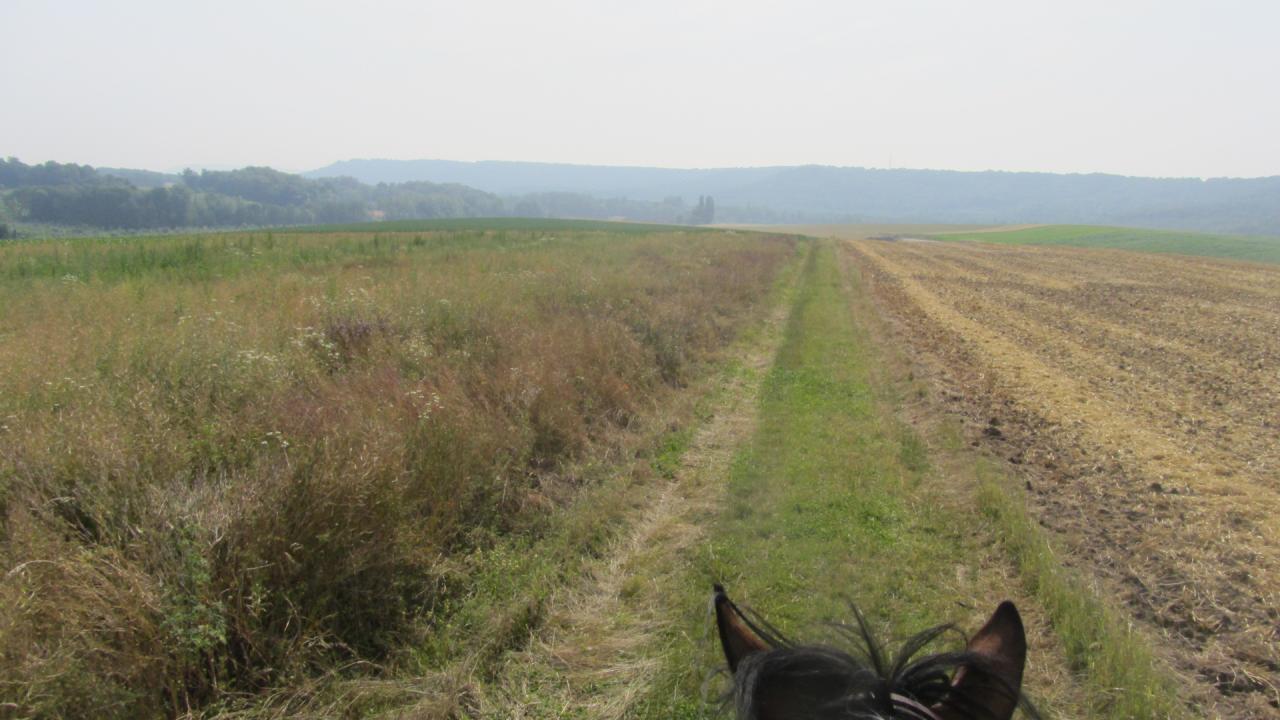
[(804, 481)]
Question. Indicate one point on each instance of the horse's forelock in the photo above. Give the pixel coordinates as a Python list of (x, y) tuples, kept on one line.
[(828, 683)]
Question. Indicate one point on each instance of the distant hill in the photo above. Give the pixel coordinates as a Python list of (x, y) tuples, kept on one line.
[(360, 190), (515, 178), (824, 193)]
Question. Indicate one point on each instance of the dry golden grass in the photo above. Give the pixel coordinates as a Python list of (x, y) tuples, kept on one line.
[(230, 463), (1137, 394)]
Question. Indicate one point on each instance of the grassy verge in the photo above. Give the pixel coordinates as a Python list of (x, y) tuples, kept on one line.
[(1126, 679), (1236, 247), (511, 586)]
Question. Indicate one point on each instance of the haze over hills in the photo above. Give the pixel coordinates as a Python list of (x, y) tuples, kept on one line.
[(358, 190), (826, 193)]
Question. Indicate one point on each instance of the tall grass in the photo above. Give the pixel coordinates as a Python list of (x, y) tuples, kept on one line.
[(231, 461)]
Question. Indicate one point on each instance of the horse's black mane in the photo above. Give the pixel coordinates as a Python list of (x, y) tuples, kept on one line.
[(866, 677)]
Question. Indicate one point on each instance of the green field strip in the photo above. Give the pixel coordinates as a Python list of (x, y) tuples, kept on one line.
[(1234, 247)]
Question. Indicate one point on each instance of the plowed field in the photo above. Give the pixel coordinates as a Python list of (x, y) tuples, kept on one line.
[(1140, 397)]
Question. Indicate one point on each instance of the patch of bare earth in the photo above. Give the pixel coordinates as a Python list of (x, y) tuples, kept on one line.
[(594, 656), (1138, 397)]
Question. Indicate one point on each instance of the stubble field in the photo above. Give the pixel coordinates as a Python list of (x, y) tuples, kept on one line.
[(1137, 396)]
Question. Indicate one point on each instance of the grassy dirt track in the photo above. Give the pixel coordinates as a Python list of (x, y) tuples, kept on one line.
[(830, 496), (835, 500), (1135, 395)]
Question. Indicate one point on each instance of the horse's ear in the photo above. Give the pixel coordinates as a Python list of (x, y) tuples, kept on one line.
[(736, 636), (990, 688)]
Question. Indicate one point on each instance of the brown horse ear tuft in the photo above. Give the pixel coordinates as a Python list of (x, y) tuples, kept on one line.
[(996, 684), (736, 636)]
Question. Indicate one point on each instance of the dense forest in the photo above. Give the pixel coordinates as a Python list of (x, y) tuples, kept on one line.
[(120, 199), (819, 193)]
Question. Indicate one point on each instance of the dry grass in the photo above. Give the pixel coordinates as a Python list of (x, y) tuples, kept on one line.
[(232, 463)]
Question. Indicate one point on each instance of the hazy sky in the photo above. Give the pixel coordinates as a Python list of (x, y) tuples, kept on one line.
[(1169, 88)]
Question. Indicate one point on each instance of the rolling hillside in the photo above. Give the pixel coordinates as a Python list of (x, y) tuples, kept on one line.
[(851, 194)]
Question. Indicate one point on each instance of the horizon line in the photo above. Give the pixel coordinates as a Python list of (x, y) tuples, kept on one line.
[(224, 167)]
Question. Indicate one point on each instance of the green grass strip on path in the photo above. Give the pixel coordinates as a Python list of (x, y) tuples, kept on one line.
[(821, 506)]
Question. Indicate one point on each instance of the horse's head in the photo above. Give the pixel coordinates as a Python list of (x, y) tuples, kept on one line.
[(774, 679)]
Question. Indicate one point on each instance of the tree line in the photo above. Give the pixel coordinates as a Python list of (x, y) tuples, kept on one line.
[(78, 195)]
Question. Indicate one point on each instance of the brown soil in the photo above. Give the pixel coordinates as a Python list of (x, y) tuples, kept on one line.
[(1140, 397)]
